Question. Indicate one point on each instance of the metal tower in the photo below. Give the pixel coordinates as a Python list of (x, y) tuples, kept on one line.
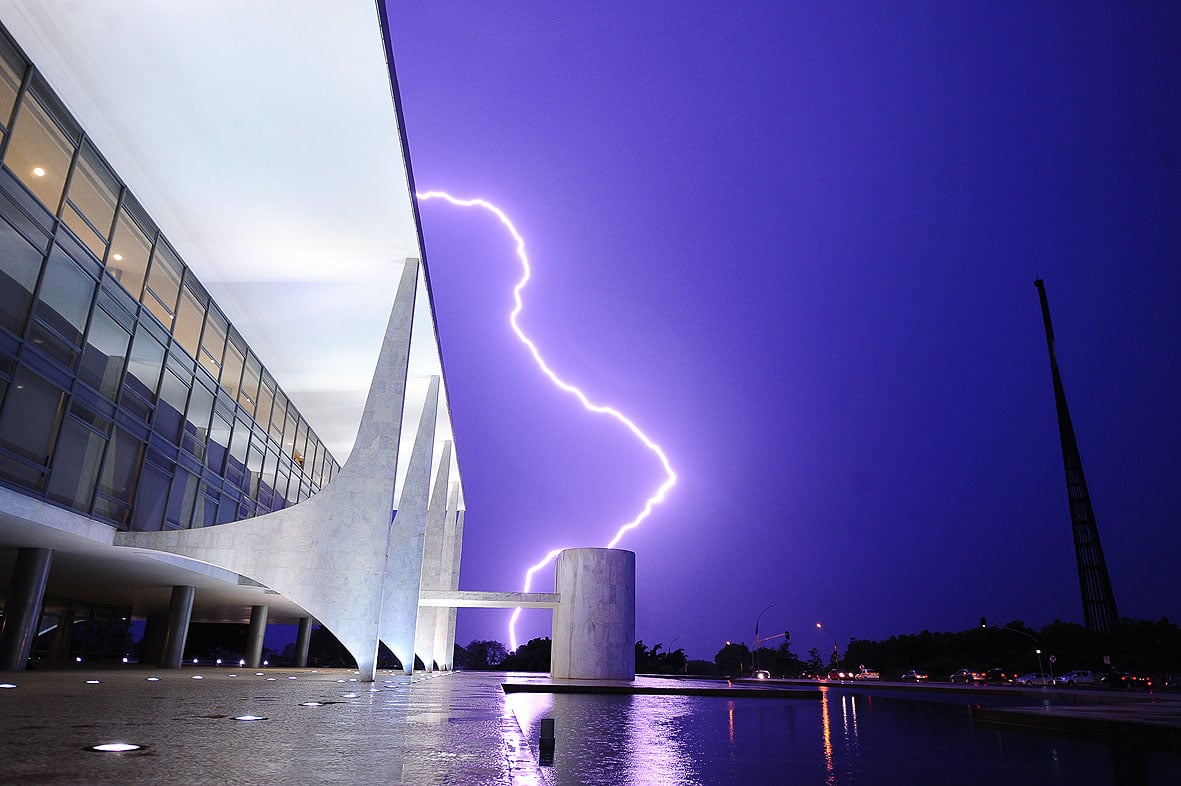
[(1099, 611)]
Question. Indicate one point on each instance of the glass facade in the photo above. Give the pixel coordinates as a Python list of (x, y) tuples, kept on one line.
[(125, 393)]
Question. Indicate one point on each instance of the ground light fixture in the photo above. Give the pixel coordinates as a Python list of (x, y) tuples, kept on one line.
[(6, 685), (249, 717), (114, 747)]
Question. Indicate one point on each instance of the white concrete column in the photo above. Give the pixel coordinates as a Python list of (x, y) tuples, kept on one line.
[(454, 585), (180, 611), (303, 640), (432, 560), (595, 621), (403, 571), (256, 634), (22, 607), (448, 580)]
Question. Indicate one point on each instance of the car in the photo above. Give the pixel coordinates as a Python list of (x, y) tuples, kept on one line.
[(915, 676), (838, 675), (1033, 678), (1125, 680), (1075, 677), (967, 677), (762, 674), (998, 677), (867, 674)]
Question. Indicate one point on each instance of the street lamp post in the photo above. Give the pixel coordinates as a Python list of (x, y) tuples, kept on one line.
[(1037, 644), (836, 651), (761, 613)]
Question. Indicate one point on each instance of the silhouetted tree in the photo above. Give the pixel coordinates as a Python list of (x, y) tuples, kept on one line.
[(534, 655), (733, 660), (480, 655)]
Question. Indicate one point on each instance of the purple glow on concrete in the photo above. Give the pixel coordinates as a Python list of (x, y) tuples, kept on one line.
[(601, 409)]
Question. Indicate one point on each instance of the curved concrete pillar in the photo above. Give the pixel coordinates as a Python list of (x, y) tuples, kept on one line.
[(595, 621), (329, 553)]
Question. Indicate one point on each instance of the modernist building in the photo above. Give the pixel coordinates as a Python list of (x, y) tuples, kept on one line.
[(208, 244)]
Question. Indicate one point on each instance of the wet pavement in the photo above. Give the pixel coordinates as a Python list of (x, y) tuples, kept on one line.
[(326, 726), (318, 726)]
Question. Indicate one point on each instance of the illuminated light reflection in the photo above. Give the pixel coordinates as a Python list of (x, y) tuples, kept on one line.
[(115, 747), (826, 736), (561, 384)]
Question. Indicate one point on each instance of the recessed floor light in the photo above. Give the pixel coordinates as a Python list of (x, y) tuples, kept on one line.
[(93, 682), (312, 704), (231, 675), (114, 747), (6, 685), (153, 679), (198, 677), (249, 717), (271, 679)]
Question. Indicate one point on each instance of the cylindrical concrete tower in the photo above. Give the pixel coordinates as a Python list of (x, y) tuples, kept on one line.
[(595, 621)]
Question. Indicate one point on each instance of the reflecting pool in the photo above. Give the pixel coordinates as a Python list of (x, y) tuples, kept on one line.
[(843, 738)]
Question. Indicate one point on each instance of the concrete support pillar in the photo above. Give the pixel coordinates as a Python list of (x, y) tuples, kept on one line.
[(303, 640), (595, 621), (22, 610), (180, 611), (403, 571), (255, 635)]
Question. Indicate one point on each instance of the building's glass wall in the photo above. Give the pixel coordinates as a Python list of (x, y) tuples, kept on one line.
[(125, 393)]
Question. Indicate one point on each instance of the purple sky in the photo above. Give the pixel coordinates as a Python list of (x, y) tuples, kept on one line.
[(797, 245)]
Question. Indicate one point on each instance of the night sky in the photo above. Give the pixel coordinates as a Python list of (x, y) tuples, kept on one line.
[(797, 245)]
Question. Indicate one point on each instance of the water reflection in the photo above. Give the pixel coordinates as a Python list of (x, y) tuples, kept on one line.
[(844, 739)]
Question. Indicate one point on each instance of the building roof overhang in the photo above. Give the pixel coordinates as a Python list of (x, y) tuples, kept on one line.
[(264, 139)]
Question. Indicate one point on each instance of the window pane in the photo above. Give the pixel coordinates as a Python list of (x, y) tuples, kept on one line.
[(213, 343), (94, 191), (266, 395), (18, 277), (32, 412), (301, 438), (12, 66), (150, 497), (130, 249), (180, 500), (39, 153), (278, 414), (219, 444), (164, 287), (174, 395), (248, 395), (231, 372), (197, 420), (143, 368), (75, 465), (190, 313), (124, 456), (65, 297), (104, 354)]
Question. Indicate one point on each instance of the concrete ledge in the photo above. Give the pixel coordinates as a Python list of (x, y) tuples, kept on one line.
[(622, 689), (463, 599)]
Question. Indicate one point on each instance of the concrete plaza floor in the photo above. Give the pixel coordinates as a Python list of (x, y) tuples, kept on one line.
[(318, 726)]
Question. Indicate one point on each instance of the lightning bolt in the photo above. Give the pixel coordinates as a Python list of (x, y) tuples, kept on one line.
[(671, 476)]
